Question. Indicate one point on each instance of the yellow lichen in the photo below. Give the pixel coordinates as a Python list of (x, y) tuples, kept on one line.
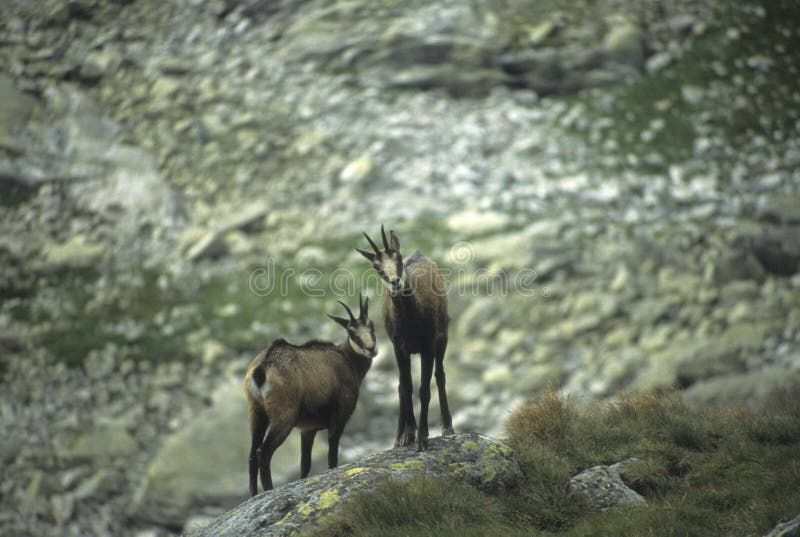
[(354, 471), (304, 509), (408, 465), (471, 444), (327, 499)]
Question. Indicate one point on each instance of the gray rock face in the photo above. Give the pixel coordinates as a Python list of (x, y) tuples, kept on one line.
[(603, 487), (481, 461), (465, 48)]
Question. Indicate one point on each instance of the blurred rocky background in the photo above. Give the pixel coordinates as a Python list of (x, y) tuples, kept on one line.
[(612, 188)]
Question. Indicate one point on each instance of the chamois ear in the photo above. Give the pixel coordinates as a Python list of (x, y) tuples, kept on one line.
[(395, 242), (364, 312), (368, 255), (339, 320)]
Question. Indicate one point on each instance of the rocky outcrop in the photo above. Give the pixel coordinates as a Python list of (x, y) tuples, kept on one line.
[(480, 461)]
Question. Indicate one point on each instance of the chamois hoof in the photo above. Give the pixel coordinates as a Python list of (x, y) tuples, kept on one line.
[(406, 439), (422, 444), (448, 431)]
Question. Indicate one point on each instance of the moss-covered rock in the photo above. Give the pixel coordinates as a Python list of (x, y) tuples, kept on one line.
[(478, 460), (603, 487)]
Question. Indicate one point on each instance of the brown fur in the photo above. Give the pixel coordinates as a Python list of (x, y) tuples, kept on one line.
[(312, 386), (416, 321)]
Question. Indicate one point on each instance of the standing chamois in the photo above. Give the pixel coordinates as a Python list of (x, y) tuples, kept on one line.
[(416, 320), (312, 386)]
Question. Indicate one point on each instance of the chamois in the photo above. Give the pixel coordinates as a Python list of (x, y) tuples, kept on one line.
[(416, 320), (312, 386)]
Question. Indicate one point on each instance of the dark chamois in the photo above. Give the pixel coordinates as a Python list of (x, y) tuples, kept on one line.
[(311, 386), (416, 320)]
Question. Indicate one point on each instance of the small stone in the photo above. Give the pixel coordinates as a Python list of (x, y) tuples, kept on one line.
[(77, 252), (28, 501), (542, 31), (623, 43), (473, 222), (740, 312), (103, 481), (497, 374), (62, 506), (357, 171), (622, 279), (658, 61)]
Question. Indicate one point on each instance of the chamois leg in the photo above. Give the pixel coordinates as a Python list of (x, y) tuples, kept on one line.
[(306, 443), (334, 435), (424, 399), (277, 433), (406, 424), (447, 421), (258, 426)]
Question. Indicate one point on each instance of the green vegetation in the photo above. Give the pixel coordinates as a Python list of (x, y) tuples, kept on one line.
[(719, 471), (736, 82)]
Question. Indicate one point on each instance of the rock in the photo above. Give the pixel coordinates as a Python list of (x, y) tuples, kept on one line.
[(62, 506), (77, 252), (539, 33), (107, 441), (15, 109), (734, 265), (31, 498), (603, 488), (777, 249), (472, 222), (782, 210), (658, 61), (199, 243), (98, 485), (297, 507), (624, 42), (357, 171), (790, 528)]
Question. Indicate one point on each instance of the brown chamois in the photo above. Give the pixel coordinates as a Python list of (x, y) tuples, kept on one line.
[(312, 386), (416, 320)]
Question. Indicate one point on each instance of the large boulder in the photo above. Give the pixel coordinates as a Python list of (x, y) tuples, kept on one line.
[(481, 461)]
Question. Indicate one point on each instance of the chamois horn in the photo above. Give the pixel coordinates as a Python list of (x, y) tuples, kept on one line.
[(350, 313), (371, 243)]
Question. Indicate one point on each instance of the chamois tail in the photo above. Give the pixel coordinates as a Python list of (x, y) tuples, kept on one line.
[(258, 385)]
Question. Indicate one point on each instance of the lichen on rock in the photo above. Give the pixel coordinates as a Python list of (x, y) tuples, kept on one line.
[(478, 460), (603, 487)]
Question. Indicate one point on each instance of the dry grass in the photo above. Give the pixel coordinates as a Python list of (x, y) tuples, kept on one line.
[(726, 470)]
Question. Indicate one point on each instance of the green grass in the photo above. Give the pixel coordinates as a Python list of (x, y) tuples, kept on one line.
[(719, 471)]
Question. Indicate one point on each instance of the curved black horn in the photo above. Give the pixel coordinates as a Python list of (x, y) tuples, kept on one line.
[(350, 313), (374, 246), (363, 307), (385, 242)]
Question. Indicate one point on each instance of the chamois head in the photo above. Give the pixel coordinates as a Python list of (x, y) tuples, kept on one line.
[(387, 262), (361, 330)]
